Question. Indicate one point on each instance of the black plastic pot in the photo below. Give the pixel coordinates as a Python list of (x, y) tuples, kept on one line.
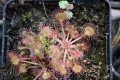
[(116, 51), (116, 61), (7, 22)]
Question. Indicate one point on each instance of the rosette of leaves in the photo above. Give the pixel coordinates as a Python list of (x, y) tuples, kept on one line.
[(51, 50)]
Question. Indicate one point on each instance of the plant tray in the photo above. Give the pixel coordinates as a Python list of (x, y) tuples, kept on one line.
[(96, 60)]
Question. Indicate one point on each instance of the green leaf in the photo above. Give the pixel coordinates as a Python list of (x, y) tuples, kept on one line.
[(89, 31), (69, 27), (62, 69), (15, 60), (46, 31), (46, 75), (22, 68), (37, 52), (24, 33), (58, 54), (63, 4), (22, 47), (77, 68), (42, 39), (61, 17), (69, 14)]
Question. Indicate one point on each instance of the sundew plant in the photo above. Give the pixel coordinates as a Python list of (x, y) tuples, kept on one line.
[(53, 50)]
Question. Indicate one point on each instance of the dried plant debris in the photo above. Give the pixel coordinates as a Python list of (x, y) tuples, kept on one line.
[(75, 32)]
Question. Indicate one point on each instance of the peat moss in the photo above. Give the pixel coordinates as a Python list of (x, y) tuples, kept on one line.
[(31, 14)]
